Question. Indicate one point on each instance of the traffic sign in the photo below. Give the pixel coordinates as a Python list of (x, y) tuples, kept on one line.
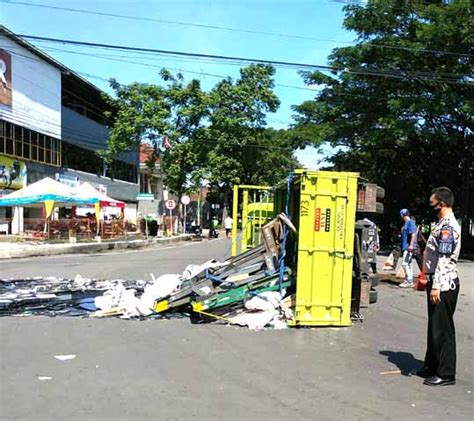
[(185, 200), (170, 204)]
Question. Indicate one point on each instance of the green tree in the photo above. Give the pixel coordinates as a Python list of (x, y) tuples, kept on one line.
[(400, 101), (219, 137), (150, 113), (240, 146)]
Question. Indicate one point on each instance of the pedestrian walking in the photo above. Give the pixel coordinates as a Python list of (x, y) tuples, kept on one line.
[(408, 245), (228, 221), (440, 260)]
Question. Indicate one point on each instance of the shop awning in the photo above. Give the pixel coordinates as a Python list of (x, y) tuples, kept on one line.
[(86, 189), (46, 192), (49, 193)]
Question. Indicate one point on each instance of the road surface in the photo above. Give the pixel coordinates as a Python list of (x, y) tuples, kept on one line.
[(170, 369)]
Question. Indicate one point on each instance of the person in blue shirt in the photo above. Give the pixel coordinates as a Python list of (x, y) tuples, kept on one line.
[(409, 234)]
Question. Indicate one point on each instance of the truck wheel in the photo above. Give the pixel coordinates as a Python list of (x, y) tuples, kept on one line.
[(380, 193)]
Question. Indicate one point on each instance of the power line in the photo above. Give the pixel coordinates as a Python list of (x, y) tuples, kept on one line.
[(404, 75), (150, 65), (112, 57), (178, 53), (117, 59), (276, 63), (183, 70), (138, 63), (368, 70), (257, 145), (223, 28)]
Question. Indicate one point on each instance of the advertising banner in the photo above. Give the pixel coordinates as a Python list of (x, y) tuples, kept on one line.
[(12, 173), (5, 78)]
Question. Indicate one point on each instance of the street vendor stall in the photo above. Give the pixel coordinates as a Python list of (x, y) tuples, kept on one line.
[(48, 194), (114, 227)]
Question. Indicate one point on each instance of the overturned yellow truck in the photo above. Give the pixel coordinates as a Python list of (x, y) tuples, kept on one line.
[(328, 253)]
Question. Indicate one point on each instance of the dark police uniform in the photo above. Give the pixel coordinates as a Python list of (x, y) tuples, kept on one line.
[(440, 259)]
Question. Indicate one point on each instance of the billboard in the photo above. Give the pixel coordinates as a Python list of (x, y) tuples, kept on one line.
[(30, 90), (12, 173), (5, 78)]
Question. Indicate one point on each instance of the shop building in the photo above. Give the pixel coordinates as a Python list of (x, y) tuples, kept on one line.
[(52, 124)]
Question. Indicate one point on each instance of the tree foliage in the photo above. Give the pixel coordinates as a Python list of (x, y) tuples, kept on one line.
[(217, 136), (401, 100), (150, 113), (237, 127)]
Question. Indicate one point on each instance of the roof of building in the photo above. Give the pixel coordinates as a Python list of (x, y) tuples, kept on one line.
[(46, 57), (145, 151)]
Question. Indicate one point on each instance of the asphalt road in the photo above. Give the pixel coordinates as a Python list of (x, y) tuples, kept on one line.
[(130, 370)]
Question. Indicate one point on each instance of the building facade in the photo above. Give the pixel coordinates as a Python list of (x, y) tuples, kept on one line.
[(52, 124), (151, 194)]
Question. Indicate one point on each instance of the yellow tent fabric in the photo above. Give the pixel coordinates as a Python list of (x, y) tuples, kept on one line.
[(49, 206)]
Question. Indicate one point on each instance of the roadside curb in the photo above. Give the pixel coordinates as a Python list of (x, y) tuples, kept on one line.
[(56, 249)]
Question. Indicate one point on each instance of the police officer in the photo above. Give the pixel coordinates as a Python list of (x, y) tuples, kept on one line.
[(440, 259)]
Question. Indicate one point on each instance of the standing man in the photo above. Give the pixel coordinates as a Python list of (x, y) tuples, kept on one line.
[(440, 259), (408, 247), (228, 226)]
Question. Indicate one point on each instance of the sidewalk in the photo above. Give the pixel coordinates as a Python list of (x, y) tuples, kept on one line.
[(21, 250)]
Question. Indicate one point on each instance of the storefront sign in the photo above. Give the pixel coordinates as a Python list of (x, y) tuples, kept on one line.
[(68, 180), (102, 189), (12, 173), (145, 196)]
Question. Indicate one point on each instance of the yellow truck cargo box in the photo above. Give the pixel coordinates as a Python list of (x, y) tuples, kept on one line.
[(322, 206)]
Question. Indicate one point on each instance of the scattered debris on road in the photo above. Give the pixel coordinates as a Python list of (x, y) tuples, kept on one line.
[(253, 289), (64, 357)]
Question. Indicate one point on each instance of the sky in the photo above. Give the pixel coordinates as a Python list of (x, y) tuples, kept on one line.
[(320, 20)]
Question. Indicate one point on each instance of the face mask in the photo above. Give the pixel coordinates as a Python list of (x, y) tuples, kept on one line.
[(435, 207)]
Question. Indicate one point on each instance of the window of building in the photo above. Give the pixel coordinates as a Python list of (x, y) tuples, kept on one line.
[(21, 142), (81, 159), (84, 107), (144, 183), (122, 171)]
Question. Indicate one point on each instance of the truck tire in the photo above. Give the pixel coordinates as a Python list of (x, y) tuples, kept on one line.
[(380, 193)]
